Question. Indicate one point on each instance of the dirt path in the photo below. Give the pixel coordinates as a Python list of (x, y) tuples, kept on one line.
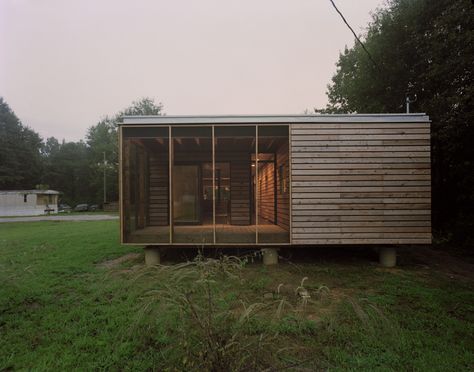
[(76, 217)]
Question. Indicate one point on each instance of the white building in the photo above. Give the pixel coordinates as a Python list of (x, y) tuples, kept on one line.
[(28, 202)]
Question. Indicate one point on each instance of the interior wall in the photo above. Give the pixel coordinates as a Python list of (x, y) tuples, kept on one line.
[(283, 187), (144, 185), (141, 187), (266, 193), (158, 197), (240, 209)]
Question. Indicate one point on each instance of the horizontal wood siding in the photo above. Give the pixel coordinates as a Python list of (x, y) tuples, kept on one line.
[(240, 210), (361, 183), (266, 193), (159, 186), (283, 190)]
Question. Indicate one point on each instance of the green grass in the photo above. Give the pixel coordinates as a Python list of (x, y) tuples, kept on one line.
[(60, 308)]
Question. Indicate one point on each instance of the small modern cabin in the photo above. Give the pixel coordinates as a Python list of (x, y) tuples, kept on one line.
[(275, 180)]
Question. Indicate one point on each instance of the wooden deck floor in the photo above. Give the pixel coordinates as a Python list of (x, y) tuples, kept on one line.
[(199, 234)]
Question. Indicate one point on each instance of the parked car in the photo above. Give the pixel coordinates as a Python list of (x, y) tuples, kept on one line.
[(93, 207), (81, 208), (64, 208)]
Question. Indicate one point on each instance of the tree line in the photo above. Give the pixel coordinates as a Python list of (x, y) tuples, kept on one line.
[(423, 49), (74, 168)]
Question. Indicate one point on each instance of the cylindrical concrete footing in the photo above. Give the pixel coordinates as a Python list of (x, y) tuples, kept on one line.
[(270, 256), (388, 256), (152, 256)]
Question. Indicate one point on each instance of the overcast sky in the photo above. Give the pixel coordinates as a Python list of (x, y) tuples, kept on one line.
[(65, 64)]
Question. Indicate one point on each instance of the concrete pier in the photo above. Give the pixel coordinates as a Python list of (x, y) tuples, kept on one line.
[(388, 256), (270, 256), (152, 256)]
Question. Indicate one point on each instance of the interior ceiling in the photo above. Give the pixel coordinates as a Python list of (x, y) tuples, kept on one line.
[(223, 144)]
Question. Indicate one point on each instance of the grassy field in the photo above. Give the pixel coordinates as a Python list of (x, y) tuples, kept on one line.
[(72, 298)]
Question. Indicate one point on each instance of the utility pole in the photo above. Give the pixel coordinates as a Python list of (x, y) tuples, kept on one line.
[(105, 182), (408, 101)]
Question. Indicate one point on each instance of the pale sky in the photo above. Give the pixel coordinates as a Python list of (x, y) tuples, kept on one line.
[(65, 64)]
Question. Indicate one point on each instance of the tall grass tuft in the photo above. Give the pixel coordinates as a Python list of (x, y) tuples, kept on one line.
[(202, 307)]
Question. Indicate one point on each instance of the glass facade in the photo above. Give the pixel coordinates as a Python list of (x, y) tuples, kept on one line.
[(193, 185)]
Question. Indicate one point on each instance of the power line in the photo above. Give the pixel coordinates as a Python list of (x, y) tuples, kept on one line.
[(355, 35)]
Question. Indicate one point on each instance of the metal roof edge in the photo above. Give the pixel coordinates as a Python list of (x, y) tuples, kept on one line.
[(322, 118)]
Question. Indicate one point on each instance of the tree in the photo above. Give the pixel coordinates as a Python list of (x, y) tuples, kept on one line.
[(424, 48), (67, 170), (102, 138), (20, 157)]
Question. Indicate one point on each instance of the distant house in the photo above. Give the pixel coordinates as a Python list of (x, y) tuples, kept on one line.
[(28, 202)]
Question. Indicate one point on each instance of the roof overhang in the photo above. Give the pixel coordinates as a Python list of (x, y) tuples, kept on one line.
[(275, 119)]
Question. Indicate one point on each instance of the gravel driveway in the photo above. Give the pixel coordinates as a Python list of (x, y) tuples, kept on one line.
[(76, 217)]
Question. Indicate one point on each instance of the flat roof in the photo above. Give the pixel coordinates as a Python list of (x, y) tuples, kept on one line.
[(277, 119)]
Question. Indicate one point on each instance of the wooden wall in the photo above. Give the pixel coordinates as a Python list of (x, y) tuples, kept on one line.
[(266, 193), (240, 211), (355, 183), (274, 197), (159, 190), (283, 193)]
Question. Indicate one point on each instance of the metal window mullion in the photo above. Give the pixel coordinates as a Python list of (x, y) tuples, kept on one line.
[(256, 184), (121, 211), (170, 183), (290, 195), (213, 186)]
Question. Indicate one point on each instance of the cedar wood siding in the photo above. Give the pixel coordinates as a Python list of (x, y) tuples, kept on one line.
[(361, 183), (266, 193), (268, 184)]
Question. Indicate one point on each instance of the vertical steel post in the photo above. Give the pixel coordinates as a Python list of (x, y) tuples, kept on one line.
[(105, 182), (256, 184), (213, 186)]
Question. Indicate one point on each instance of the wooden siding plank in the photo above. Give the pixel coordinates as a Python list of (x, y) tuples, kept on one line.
[(358, 137), (348, 148), (314, 241), (365, 154), (334, 211), (353, 172), (301, 162), (351, 177), (342, 165), (357, 183), (363, 189), (345, 131), (305, 127)]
